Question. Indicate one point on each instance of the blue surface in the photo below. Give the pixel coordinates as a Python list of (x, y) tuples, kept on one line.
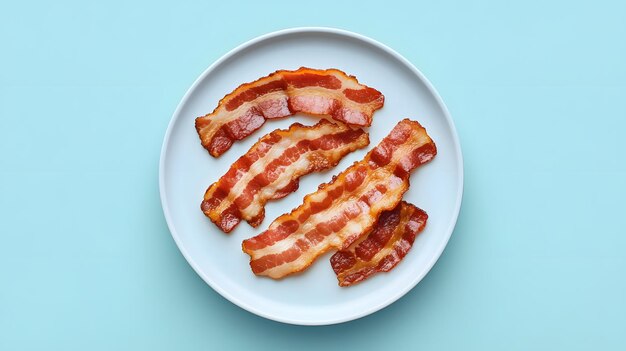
[(538, 94)]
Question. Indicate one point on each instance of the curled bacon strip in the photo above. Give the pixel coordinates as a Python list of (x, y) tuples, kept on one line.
[(283, 93), (272, 167), (382, 249), (341, 211)]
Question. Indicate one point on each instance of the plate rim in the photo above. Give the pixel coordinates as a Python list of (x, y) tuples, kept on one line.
[(250, 308)]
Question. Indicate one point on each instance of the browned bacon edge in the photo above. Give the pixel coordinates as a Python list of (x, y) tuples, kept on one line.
[(381, 250), (357, 196), (260, 174), (283, 93)]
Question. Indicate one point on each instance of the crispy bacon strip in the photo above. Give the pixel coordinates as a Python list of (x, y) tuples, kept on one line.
[(383, 248), (283, 93), (341, 211), (272, 167)]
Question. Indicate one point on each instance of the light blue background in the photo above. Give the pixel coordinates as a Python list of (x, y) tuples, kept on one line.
[(538, 94)]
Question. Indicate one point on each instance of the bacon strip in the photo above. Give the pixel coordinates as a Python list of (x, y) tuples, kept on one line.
[(341, 211), (272, 167), (283, 93), (382, 249)]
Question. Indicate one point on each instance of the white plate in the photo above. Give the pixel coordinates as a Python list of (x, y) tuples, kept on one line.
[(186, 170)]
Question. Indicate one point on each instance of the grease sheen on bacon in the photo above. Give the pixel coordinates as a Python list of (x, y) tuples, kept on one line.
[(272, 167), (283, 93), (381, 250), (341, 211)]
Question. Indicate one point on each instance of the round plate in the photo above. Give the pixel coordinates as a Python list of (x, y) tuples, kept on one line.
[(313, 297)]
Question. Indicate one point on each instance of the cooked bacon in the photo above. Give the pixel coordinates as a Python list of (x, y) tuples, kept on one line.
[(383, 248), (283, 93), (341, 211), (272, 167)]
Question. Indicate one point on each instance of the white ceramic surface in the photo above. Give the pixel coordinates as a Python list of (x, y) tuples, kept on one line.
[(186, 170)]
